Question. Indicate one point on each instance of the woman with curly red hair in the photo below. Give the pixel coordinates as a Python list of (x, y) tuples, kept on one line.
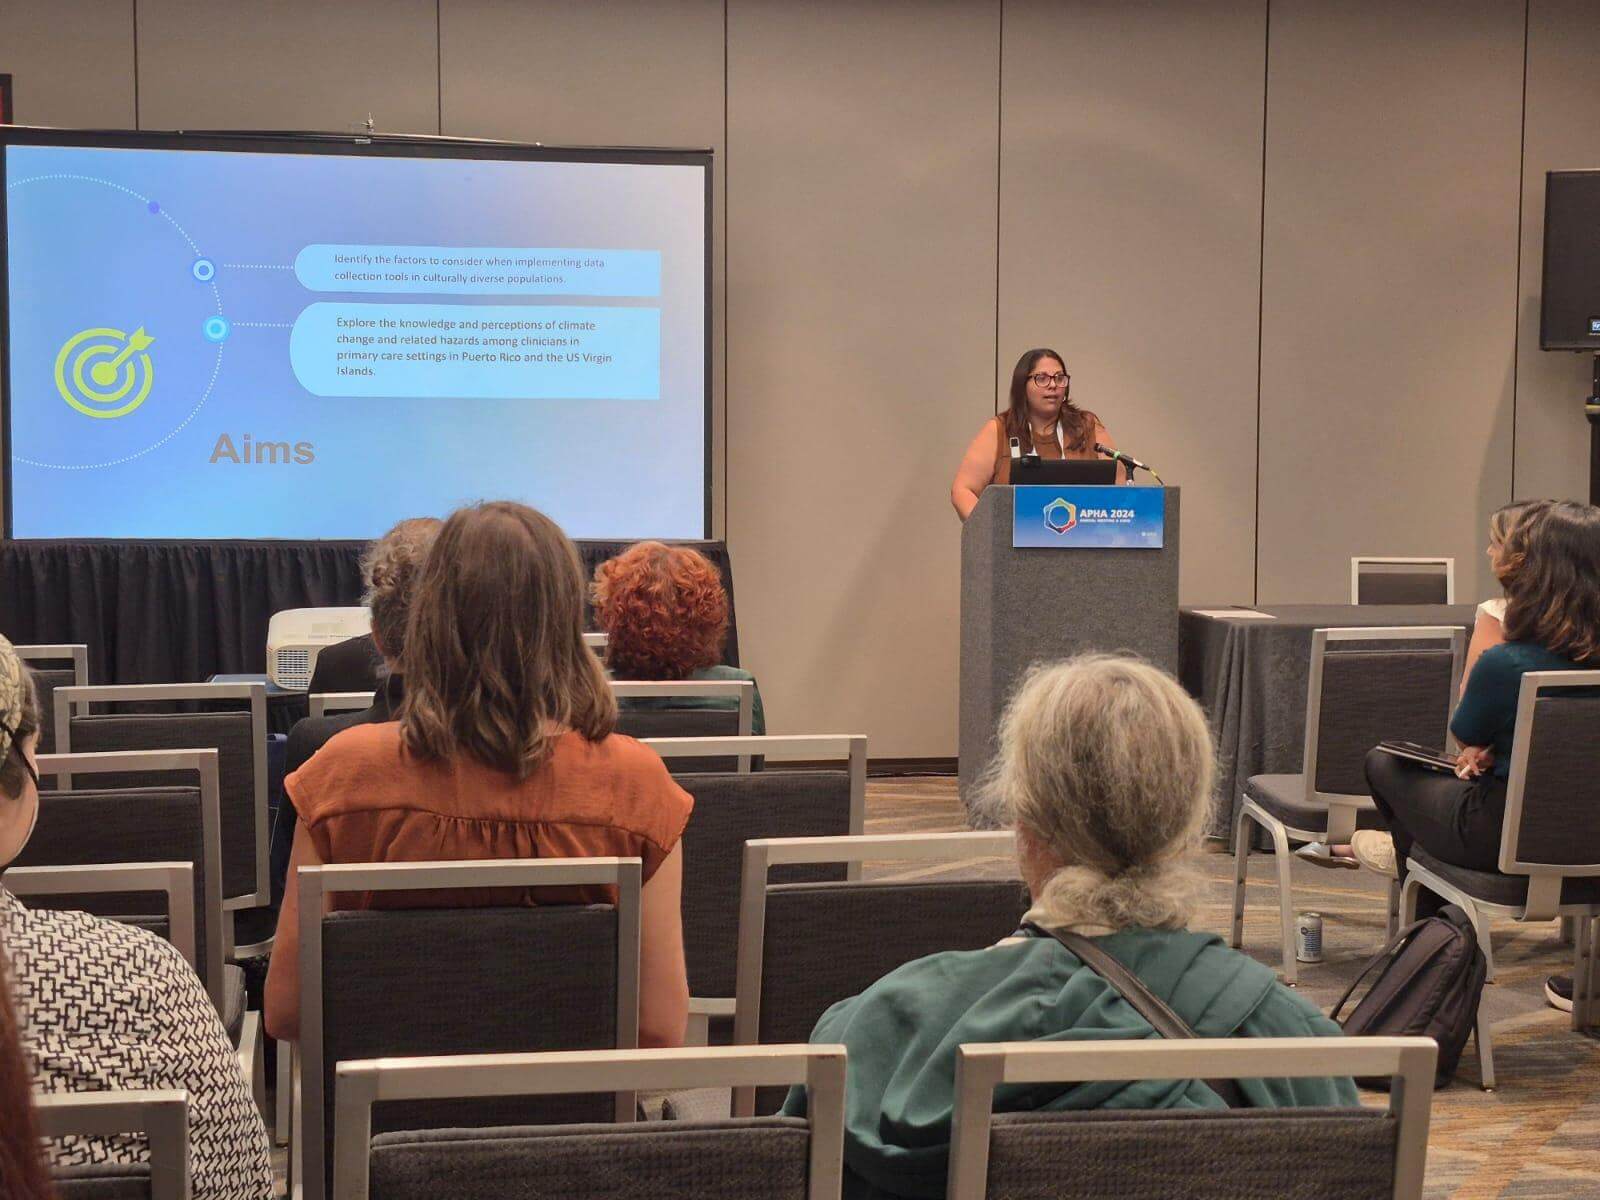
[(665, 615)]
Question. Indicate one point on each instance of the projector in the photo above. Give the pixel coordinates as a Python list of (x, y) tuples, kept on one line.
[(295, 636)]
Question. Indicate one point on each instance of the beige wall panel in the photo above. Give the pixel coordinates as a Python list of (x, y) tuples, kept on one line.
[(71, 61), (861, 147), (1389, 286), (1560, 131), (618, 72), (289, 64), (1130, 226)]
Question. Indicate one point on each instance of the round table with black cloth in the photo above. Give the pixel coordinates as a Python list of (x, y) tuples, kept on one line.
[(180, 612)]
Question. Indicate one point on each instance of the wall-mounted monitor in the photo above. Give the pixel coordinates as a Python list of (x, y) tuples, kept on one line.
[(286, 336)]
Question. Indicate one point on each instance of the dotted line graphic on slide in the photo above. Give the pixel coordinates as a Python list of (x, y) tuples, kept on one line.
[(216, 367), (263, 324), (255, 267), (155, 209)]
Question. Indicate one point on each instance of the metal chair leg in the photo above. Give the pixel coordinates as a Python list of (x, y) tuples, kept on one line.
[(1592, 970), (1485, 1043), (1241, 866), (1280, 852), (283, 1103), (1391, 924), (1480, 926), (1583, 973), (1408, 900)]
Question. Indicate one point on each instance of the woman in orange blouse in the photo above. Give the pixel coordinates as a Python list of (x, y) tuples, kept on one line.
[(1044, 421), (503, 749)]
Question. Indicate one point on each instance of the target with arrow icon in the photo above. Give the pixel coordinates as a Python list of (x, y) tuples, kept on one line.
[(105, 372)]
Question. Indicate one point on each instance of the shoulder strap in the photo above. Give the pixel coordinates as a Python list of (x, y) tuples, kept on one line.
[(1145, 1002)]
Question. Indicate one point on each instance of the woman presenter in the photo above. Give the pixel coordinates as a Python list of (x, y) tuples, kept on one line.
[(1043, 420)]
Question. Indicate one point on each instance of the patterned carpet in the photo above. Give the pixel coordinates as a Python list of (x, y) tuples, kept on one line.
[(1536, 1135)]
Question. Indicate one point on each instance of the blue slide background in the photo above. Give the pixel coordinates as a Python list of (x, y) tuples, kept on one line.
[(108, 237)]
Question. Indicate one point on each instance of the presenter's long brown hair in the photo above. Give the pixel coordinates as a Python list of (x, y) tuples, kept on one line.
[(1077, 424), (494, 660), (1552, 572), (22, 1170)]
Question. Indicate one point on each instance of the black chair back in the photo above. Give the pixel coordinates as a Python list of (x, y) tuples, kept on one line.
[(47, 680), (825, 942), (230, 734), (1201, 1153), (122, 825), (1560, 798), (407, 982), (1372, 695), (102, 1181), (721, 1160), (1403, 587), (683, 722), (729, 810)]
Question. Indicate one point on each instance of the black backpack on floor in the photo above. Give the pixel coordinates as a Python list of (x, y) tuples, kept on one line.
[(1429, 986)]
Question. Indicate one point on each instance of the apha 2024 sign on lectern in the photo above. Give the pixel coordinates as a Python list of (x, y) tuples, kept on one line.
[(1047, 572)]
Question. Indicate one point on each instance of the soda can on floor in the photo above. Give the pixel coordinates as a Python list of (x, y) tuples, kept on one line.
[(1308, 937)]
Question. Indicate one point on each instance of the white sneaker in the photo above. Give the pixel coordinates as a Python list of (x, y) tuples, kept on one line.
[(1374, 850)]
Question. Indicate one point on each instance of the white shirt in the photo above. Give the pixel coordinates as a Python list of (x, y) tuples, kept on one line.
[(105, 1005)]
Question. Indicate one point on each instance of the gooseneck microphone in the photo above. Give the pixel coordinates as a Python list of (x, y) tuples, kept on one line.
[(1133, 463)]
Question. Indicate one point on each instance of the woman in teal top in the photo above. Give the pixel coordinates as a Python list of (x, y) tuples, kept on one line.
[(1552, 623), (1105, 769), (665, 615)]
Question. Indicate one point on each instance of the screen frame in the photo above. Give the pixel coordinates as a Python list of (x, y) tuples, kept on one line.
[(354, 145), (1546, 341)]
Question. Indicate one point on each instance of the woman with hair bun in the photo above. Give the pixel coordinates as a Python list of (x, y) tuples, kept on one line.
[(1105, 769)]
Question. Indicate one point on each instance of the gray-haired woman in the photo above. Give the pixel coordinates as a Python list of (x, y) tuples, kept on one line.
[(1105, 771)]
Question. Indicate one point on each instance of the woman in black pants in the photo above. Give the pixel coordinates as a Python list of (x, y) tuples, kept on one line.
[(1552, 623)]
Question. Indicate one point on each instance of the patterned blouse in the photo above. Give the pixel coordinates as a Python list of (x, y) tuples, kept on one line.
[(105, 1005)]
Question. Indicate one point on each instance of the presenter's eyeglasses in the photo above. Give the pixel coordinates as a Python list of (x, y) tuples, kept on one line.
[(1044, 380)]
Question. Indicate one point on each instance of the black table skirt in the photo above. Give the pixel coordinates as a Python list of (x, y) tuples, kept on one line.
[(165, 612)]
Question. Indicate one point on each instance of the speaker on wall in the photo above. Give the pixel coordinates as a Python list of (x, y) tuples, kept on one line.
[(1569, 315)]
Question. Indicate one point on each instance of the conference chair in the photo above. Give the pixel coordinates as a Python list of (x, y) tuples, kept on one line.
[(238, 735), (379, 983), (160, 1117), (783, 1158), (124, 825), (805, 946), (327, 704), (1402, 580), (175, 820), (1202, 1154), (1549, 843), (53, 667), (672, 722), (1390, 683), (731, 809)]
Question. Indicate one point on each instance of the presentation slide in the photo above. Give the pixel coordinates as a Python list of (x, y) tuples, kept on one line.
[(210, 343)]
